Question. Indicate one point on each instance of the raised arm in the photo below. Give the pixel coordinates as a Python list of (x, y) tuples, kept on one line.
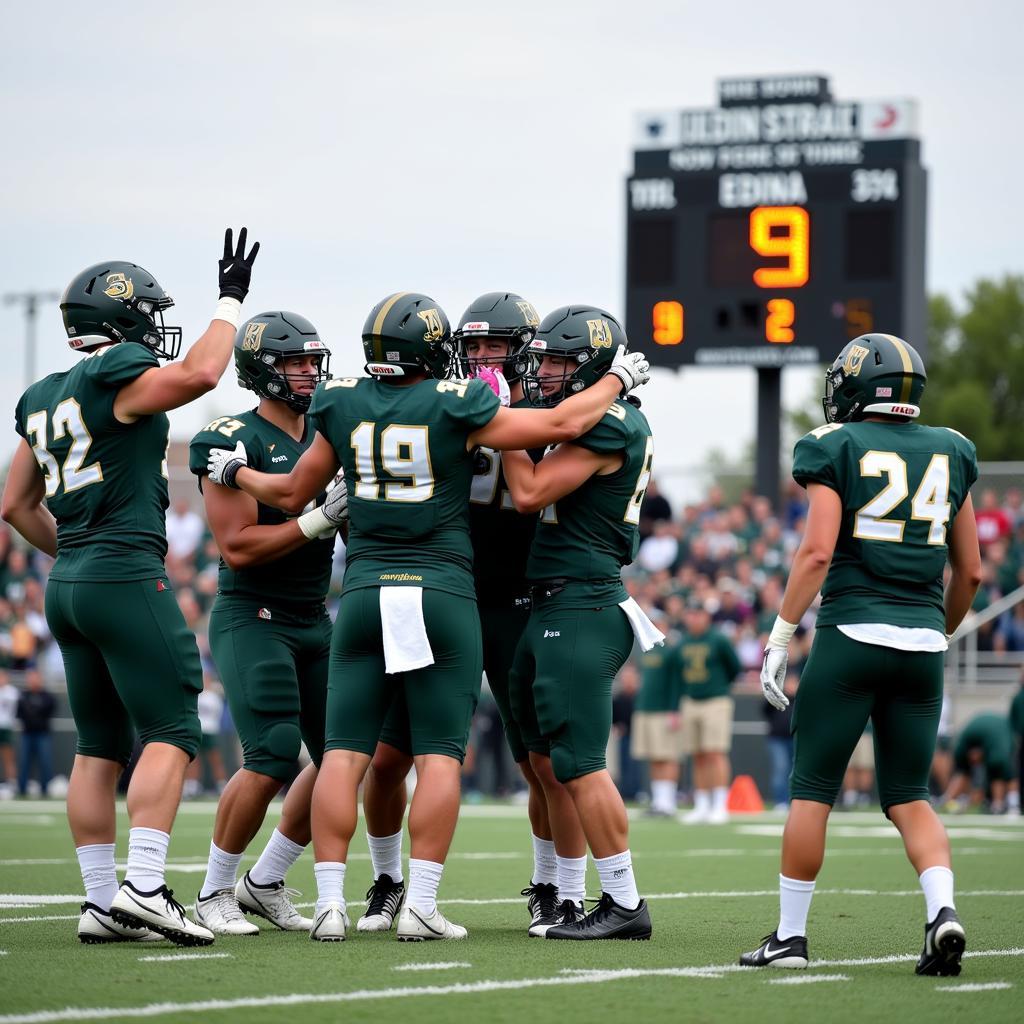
[(965, 561), (168, 387), (22, 504)]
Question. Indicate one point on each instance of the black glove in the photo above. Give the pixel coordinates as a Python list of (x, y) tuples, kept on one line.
[(235, 268)]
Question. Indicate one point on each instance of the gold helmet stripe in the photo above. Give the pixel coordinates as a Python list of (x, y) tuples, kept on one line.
[(908, 366), (378, 347)]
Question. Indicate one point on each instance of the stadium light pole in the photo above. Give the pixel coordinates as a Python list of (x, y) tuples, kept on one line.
[(30, 300)]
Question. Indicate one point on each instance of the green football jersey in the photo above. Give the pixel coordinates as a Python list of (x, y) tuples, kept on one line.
[(659, 688), (403, 450), (593, 531), (301, 576), (106, 482), (705, 665), (501, 536), (901, 485)]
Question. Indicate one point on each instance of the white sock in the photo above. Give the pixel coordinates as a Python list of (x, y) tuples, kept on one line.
[(424, 881), (937, 884), (98, 873), (330, 884), (147, 855), (617, 881), (277, 857), (719, 798), (386, 855), (794, 903), (572, 878), (701, 801), (545, 864), (663, 795), (221, 871)]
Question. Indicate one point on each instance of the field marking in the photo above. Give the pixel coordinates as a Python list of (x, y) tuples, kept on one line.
[(444, 966), (839, 831), (170, 957), (807, 979), (988, 986), (21, 899), (465, 988)]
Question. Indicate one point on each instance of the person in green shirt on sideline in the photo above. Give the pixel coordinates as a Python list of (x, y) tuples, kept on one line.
[(1017, 725), (985, 743), (705, 664), (889, 505), (94, 448), (655, 730)]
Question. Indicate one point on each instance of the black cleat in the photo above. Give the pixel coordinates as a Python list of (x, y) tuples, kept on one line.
[(776, 952), (606, 921), (543, 907), (944, 943), (566, 912), (383, 901)]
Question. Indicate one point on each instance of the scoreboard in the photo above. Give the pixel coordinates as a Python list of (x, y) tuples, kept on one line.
[(772, 229)]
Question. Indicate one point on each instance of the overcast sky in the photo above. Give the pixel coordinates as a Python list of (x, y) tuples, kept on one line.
[(449, 148)]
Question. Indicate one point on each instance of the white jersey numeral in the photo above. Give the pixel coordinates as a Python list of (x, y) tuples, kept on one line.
[(633, 508), (403, 452), (67, 422), (929, 504)]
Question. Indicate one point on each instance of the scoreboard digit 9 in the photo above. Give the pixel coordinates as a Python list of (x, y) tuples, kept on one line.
[(772, 229)]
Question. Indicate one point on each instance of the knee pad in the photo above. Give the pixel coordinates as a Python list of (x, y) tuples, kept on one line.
[(280, 744), (563, 763)]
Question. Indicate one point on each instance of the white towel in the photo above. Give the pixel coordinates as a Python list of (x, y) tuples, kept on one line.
[(645, 632), (406, 646)]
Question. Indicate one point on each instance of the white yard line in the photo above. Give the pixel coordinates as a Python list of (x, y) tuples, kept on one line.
[(988, 986), (468, 988), (807, 979), (448, 966), (170, 957)]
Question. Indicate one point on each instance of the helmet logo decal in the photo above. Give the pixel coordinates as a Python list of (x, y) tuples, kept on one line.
[(433, 329), (529, 313), (855, 360), (476, 327), (883, 392), (119, 287), (600, 333), (253, 337)]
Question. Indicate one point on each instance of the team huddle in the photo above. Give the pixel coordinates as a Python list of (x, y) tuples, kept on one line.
[(487, 482)]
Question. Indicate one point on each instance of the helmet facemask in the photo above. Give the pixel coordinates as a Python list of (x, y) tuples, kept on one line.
[(279, 386), (514, 364), (546, 390)]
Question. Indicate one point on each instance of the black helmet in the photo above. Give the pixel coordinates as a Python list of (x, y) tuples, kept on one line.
[(118, 301), (407, 333), (587, 337), (875, 373), (502, 315), (264, 341)]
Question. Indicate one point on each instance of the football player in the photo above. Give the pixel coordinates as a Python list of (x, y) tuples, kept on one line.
[(984, 749), (889, 504), (582, 622), (494, 333), (270, 634), (407, 623), (93, 446)]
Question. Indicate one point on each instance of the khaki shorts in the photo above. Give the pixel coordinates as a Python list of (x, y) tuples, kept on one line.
[(863, 756), (707, 725), (652, 737)]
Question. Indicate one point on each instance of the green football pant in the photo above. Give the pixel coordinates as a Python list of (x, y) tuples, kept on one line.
[(131, 663), (561, 683), (438, 700), (274, 672), (844, 685)]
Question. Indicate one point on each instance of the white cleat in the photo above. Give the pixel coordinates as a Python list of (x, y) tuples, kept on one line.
[(383, 899), (96, 926), (330, 925), (221, 913), (719, 816), (272, 902), (160, 912), (415, 926), (694, 817)]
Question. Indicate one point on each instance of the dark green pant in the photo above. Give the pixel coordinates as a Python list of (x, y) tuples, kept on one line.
[(436, 702), (131, 663), (844, 685), (561, 683), (274, 672)]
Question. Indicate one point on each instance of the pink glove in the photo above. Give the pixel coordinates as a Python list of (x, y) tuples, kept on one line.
[(495, 380)]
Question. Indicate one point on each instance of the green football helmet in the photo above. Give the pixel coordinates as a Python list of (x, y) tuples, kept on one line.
[(586, 337), (408, 333), (502, 315), (118, 301), (264, 341), (875, 374)]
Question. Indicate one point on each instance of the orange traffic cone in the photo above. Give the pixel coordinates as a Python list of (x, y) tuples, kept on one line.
[(744, 797)]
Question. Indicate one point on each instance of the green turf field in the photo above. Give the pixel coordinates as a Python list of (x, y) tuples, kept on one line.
[(712, 893)]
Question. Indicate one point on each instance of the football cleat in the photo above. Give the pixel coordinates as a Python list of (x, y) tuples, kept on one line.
[(96, 926), (546, 909), (221, 913), (330, 925), (415, 926), (944, 943), (272, 902), (695, 817), (160, 912), (776, 952), (719, 816), (383, 900), (606, 921)]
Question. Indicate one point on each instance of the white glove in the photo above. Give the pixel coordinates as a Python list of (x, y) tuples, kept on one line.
[(336, 505), (223, 465), (324, 520), (773, 675), (632, 368)]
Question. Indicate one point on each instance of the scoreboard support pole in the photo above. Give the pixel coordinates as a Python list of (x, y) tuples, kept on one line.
[(769, 432)]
